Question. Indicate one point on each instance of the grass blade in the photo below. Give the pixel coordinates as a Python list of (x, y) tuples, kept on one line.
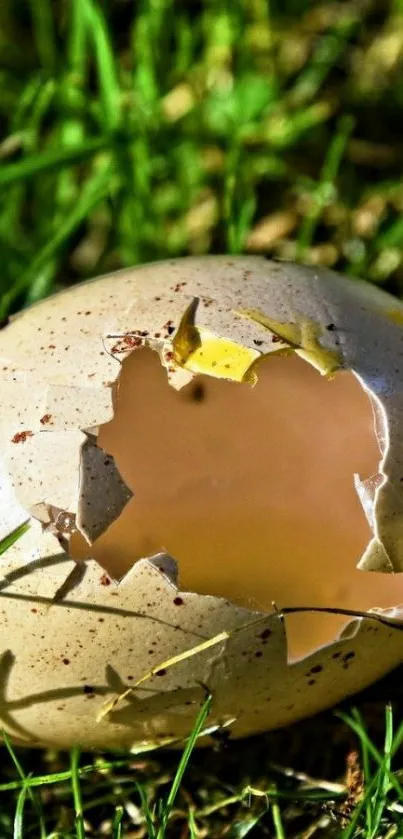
[(26, 786), (379, 779), (37, 164), (198, 726), (43, 27), (13, 537), (384, 772), (19, 814), (76, 50), (277, 820), (60, 777), (117, 823), (76, 789), (323, 192), (109, 89), (148, 814)]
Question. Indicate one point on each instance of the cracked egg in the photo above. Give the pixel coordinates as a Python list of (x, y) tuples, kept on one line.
[(208, 452)]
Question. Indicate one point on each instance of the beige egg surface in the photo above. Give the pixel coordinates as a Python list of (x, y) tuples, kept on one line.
[(209, 455)]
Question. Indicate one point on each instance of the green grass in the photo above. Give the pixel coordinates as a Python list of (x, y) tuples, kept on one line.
[(139, 131), (154, 799), (155, 815), (133, 132)]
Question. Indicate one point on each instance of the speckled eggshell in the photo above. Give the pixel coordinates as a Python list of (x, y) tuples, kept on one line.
[(71, 638)]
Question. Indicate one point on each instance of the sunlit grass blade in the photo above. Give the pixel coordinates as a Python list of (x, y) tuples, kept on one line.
[(76, 790), (19, 814), (109, 89), (26, 786), (197, 728), (277, 820), (61, 777), (13, 537)]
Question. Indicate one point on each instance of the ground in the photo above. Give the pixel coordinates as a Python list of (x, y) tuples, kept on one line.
[(132, 132)]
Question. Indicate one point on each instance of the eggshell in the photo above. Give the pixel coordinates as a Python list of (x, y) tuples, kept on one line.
[(72, 638)]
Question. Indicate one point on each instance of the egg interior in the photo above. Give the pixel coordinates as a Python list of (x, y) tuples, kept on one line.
[(250, 489)]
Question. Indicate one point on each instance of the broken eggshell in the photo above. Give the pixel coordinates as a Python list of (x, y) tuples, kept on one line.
[(72, 638)]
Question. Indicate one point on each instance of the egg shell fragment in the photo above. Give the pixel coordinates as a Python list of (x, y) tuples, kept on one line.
[(78, 646), (61, 662)]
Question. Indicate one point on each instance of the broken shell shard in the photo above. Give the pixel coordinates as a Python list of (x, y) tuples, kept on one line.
[(166, 520)]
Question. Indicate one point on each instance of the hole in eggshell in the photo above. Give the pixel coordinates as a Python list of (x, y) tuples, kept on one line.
[(250, 489)]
